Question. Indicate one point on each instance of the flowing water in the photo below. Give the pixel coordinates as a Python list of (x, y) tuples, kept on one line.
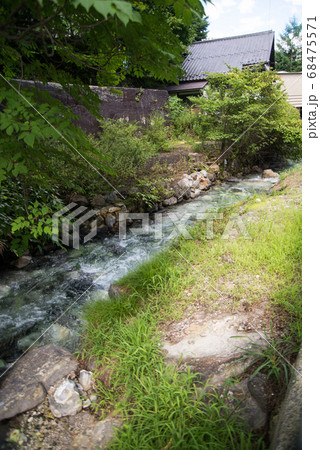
[(54, 289)]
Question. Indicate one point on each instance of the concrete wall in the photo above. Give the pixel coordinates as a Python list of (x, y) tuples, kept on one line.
[(293, 85), (135, 104)]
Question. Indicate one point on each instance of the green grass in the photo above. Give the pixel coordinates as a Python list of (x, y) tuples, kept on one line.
[(162, 407)]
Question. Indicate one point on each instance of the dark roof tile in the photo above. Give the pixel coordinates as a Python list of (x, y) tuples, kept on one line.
[(213, 56)]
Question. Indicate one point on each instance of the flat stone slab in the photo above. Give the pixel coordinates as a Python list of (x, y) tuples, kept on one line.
[(27, 383), (212, 347), (214, 338)]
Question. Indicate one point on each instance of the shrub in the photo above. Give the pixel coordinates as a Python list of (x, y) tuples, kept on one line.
[(25, 215), (156, 132), (248, 110), (183, 118), (126, 151)]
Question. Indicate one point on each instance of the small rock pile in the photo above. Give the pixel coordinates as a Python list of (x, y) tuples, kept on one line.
[(191, 186), (47, 382)]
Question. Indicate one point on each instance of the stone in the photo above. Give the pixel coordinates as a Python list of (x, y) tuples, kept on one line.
[(195, 194), (74, 274), (17, 437), (249, 409), (185, 184), (232, 180), (170, 201), (214, 168), (122, 206), (116, 291), (113, 197), (204, 173), (86, 379), (194, 157), (79, 199), (257, 386), (86, 404), (288, 429), (30, 378), (18, 399), (4, 290), (22, 262), (195, 184), (268, 173), (98, 201), (99, 219), (65, 401), (204, 184), (211, 176), (110, 221), (96, 436), (57, 334), (115, 209), (256, 169), (187, 194)]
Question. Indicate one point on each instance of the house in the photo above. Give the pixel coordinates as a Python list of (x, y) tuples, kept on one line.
[(214, 56), (292, 84)]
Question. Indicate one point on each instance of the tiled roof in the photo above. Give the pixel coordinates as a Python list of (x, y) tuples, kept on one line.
[(195, 85), (213, 55)]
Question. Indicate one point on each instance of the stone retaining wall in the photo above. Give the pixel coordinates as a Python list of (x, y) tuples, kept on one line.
[(133, 105)]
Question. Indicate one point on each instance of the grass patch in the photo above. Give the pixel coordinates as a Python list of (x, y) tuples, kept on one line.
[(160, 406)]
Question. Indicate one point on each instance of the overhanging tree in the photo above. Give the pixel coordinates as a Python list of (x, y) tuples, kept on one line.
[(74, 43)]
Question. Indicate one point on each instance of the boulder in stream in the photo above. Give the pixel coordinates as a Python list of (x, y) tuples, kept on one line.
[(22, 262), (268, 173), (170, 201), (58, 335)]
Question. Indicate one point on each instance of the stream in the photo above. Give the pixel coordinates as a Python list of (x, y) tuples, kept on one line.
[(54, 288)]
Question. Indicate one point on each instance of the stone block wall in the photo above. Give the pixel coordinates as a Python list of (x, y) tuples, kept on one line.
[(133, 105)]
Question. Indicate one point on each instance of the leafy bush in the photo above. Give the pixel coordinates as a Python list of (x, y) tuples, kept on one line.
[(25, 215), (157, 132), (126, 150), (36, 227), (248, 110), (176, 106), (183, 118)]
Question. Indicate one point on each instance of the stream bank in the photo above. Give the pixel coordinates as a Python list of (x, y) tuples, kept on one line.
[(69, 280), (186, 309)]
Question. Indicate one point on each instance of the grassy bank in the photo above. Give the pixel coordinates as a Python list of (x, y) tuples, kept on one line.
[(162, 407)]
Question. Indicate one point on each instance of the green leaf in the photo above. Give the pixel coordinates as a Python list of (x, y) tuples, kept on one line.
[(29, 139), (9, 130)]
